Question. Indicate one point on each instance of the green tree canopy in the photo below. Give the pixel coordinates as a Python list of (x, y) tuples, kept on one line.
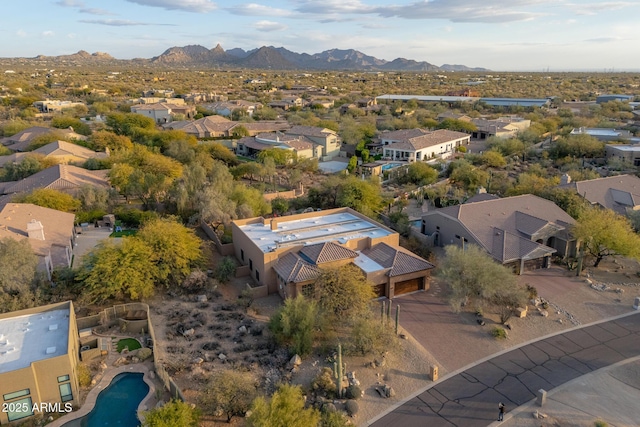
[(604, 233), (119, 270), (103, 139), (293, 325), (175, 249), (129, 124), (420, 173), (476, 280), (344, 292), (230, 392), (49, 198), (284, 409), (66, 122), (18, 265), (457, 125), (173, 414)]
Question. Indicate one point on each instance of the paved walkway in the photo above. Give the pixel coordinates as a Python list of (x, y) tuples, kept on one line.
[(469, 398)]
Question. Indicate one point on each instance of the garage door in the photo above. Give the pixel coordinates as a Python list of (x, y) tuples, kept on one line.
[(533, 264), (408, 286)]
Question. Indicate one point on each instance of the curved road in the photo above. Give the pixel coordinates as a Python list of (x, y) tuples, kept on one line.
[(470, 397)]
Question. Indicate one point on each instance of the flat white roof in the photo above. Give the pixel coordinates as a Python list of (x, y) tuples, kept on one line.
[(366, 264), (338, 227), (625, 147), (33, 337)]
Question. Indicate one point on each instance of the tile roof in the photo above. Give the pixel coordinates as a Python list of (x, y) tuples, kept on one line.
[(310, 131), (615, 192), (526, 217), (403, 134), (430, 139), (60, 177), (204, 126), (63, 148), (508, 247), (21, 140), (292, 268), (12, 158), (58, 228), (398, 260), (321, 253)]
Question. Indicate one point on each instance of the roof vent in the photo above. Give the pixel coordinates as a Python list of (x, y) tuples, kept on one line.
[(51, 350), (53, 327)]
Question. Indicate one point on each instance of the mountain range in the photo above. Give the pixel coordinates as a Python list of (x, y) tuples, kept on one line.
[(269, 57)]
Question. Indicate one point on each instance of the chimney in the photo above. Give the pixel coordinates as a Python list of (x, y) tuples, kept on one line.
[(35, 230), (274, 224)]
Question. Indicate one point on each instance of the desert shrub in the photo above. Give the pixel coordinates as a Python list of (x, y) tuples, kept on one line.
[(196, 280), (294, 324), (601, 423), (225, 269), (324, 382), (353, 392), (499, 333), (532, 291), (84, 375), (334, 419), (369, 336), (352, 407)]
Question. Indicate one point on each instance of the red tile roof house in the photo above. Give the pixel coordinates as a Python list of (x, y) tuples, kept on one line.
[(521, 232), (287, 254), (49, 232), (421, 145)]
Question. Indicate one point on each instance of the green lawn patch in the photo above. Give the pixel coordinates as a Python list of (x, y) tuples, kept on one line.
[(130, 343), (123, 233)]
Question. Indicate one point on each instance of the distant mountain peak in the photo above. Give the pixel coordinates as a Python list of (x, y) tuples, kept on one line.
[(275, 58)]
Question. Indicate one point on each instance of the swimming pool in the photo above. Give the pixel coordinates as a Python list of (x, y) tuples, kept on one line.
[(390, 166), (117, 405)]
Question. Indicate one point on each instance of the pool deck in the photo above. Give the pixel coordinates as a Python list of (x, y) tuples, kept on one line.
[(109, 375)]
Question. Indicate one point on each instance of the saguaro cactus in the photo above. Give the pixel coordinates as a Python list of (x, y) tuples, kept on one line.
[(338, 372)]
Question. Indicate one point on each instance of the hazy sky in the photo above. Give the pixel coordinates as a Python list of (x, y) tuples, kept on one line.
[(496, 34)]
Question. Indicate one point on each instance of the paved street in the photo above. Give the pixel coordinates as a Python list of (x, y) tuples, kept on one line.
[(470, 398)]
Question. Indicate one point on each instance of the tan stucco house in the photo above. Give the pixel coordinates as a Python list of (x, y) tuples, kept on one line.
[(287, 254), (38, 360)]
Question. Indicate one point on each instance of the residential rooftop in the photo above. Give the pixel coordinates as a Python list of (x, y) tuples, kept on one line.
[(33, 337), (338, 227)]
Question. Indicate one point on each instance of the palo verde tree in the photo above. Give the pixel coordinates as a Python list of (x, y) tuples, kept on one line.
[(604, 233), (344, 292), (175, 249), (293, 325), (230, 392), (477, 280), (285, 408), (172, 414)]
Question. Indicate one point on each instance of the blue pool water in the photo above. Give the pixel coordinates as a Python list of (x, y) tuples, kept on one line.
[(390, 166), (117, 405)]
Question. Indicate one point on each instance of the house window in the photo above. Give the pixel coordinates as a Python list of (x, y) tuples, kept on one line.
[(457, 237), (437, 227), (17, 406), (308, 291), (242, 254), (65, 392), (250, 264), (63, 378), (257, 275)]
